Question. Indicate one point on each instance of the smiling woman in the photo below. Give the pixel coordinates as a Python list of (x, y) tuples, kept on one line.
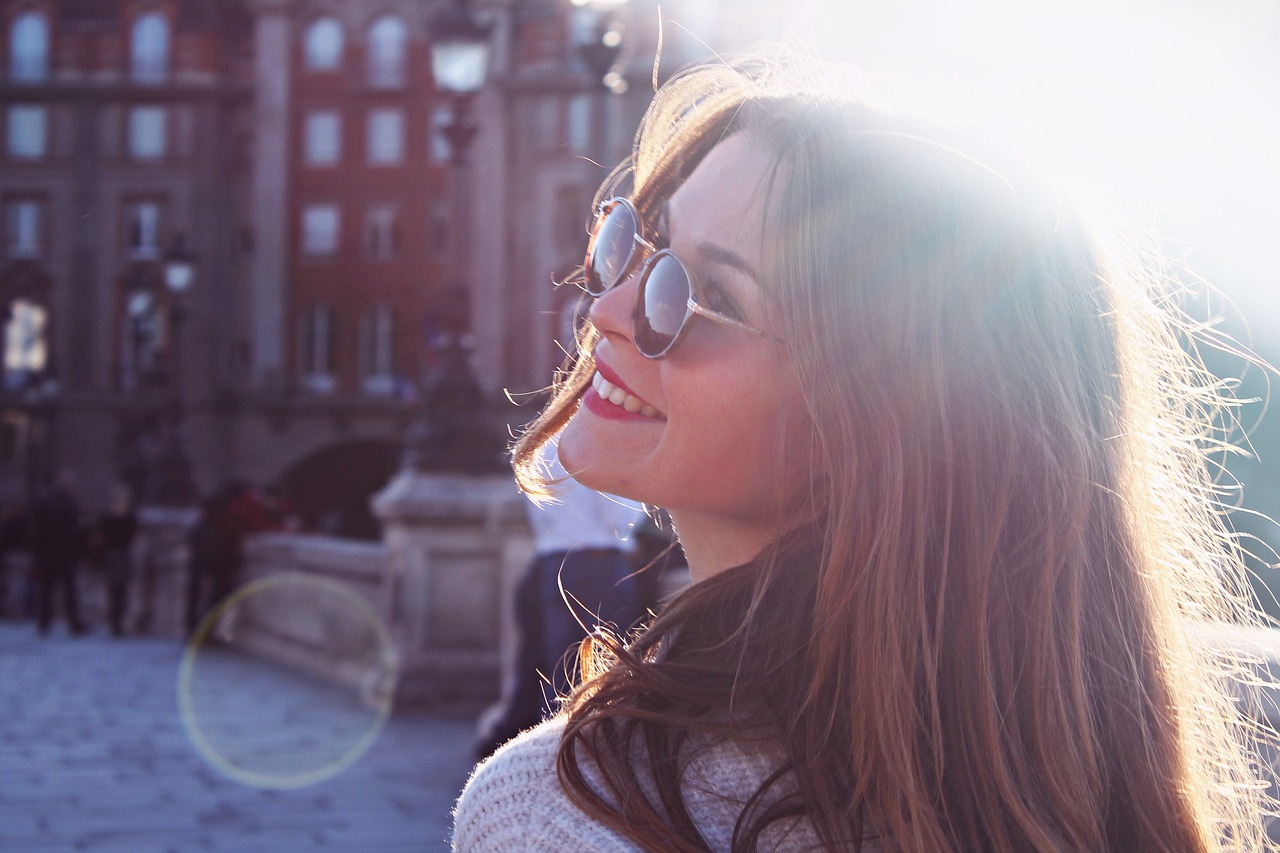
[(936, 457)]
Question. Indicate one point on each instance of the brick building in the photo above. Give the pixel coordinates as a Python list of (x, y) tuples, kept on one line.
[(296, 146)]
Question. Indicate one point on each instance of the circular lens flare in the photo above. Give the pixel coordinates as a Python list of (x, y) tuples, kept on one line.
[(308, 698)]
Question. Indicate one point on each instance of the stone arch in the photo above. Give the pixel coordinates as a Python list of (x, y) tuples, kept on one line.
[(330, 487)]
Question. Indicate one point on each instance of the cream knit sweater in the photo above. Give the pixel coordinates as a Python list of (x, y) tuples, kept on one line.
[(514, 803)]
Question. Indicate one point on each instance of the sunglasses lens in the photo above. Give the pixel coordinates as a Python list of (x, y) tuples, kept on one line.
[(611, 247), (663, 305)]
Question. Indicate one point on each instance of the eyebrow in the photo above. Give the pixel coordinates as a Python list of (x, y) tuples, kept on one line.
[(711, 251), (721, 255)]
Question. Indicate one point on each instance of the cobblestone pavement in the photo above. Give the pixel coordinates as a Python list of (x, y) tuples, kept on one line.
[(94, 755)]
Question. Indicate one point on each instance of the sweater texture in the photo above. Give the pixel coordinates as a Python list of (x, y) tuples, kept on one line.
[(514, 801)]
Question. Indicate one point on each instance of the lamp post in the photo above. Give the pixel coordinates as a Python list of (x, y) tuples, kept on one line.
[(599, 40), (173, 484), (158, 466), (452, 430), (40, 395), (460, 66)]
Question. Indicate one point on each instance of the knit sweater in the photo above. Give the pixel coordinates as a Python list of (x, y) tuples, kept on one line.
[(514, 801)]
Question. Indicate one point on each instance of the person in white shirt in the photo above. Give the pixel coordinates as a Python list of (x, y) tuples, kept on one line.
[(579, 577)]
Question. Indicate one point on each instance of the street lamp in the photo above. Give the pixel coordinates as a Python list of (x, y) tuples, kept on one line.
[(179, 266), (599, 41), (452, 431), (460, 65), (165, 466)]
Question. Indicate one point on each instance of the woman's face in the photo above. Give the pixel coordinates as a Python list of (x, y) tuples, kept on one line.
[(704, 433)]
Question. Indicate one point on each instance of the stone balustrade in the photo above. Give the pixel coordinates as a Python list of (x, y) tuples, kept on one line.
[(430, 601)]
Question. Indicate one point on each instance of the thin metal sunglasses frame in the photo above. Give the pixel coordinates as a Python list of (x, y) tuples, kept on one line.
[(647, 254)]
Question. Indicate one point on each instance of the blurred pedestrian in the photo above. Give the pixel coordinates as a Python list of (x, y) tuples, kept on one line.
[(13, 537), (113, 545), (580, 576), (58, 545), (208, 565), (216, 545)]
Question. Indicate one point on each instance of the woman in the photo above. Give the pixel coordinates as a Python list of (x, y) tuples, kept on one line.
[(935, 457), (113, 541)]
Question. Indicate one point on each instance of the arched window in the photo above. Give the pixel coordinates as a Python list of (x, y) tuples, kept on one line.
[(26, 346), (387, 52), (149, 49), (323, 44), (29, 48)]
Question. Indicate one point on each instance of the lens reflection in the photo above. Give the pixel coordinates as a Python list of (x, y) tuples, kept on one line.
[(614, 240), (664, 303)]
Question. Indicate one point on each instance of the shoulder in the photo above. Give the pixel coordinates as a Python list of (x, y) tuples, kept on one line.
[(514, 802)]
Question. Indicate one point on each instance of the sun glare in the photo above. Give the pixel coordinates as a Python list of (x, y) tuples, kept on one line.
[(1167, 103)]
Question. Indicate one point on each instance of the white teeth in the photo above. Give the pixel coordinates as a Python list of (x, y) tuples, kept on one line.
[(615, 395)]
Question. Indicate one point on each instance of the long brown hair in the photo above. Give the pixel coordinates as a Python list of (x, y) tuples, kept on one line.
[(980, 634)]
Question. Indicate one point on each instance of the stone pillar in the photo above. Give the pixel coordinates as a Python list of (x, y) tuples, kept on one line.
[(158, 593), (456, 544), (268, 270)]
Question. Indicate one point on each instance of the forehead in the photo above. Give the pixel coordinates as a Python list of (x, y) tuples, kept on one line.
[(723, 199)]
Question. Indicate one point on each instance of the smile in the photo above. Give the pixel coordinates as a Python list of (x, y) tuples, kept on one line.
[(614, 395)]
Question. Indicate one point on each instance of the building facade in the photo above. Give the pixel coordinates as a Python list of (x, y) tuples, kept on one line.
[(296, 148), (124, 131)]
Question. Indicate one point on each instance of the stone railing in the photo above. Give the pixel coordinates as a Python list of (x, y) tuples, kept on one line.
[(431, 600), (314, 603)]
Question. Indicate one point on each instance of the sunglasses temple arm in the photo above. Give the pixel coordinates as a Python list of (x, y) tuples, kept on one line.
[(697, 308)]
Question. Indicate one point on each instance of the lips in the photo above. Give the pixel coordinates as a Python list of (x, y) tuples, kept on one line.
[(608, 395)]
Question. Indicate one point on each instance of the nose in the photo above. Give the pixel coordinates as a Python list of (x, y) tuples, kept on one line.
[(610, 312)]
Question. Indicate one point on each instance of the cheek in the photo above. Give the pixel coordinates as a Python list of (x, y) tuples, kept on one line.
[(738, 438)]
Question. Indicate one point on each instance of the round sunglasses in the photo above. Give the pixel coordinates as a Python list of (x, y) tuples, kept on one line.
[(668, 295)]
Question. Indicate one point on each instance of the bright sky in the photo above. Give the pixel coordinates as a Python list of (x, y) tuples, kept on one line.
[(1174, 104)]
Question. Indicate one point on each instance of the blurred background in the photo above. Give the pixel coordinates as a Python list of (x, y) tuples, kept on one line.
[(285, 266), (238, 235)]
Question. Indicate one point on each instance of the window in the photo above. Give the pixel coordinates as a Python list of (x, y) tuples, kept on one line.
[(377, 371), (149, 49), (386, 137), (441, 151), (572, 204), (545, 124), (27, 132), (144, 230), (29, 48), (381, 232), (439, 231), (22, 227), (323, 45), (387, 53), (26, 349), (320, 230), (315, 348), (323, 138), (579, 123), (147, 136)]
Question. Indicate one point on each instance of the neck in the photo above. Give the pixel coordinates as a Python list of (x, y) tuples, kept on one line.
[(714, 544)]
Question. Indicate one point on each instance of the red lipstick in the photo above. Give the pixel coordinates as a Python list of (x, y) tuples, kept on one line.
[(601, 407)]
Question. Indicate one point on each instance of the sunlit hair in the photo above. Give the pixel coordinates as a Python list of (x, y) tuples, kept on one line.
[(982, 633)]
